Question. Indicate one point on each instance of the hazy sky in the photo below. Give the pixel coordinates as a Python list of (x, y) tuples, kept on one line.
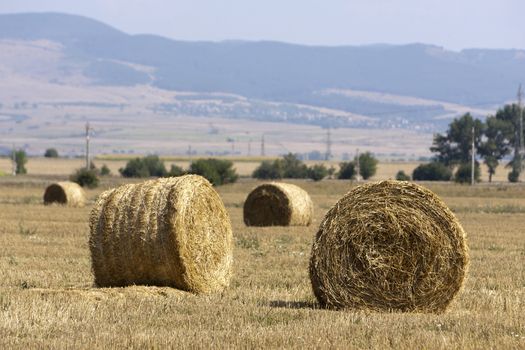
[(454, 24)]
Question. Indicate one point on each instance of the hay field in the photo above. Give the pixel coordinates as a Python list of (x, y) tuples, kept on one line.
[(47, 299)]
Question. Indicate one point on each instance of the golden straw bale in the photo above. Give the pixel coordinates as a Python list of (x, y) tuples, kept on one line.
[(389, 246), (278, 204), (167, 232), (68, 193)]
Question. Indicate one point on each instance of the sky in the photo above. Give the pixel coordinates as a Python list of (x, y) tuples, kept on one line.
[(453, 24)]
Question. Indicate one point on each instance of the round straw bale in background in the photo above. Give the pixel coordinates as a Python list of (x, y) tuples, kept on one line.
[(167, 232), (389, 246), (68, 193), (278, 204)]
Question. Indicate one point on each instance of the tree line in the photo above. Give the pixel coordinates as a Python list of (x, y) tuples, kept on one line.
[(494, 139)]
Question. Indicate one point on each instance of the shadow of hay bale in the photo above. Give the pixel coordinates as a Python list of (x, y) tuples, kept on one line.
[(294, 304)]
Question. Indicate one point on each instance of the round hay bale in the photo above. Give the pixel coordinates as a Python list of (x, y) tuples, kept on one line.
[(168, 232), (389, 246), (278, 204), (68, 193)]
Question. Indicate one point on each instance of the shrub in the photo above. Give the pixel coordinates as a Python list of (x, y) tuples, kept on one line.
[(463, 174), (290, 166), (269, 170), (85, 178), (514, 176), (217, 171), (105, 171), (402, 176), (51, 153), (367, 165), (293, 167), (20, 157), (432, 172), (144, 167), (176, 171), (317, 172), (346, 171)]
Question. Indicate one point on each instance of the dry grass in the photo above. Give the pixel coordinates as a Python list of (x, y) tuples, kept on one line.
[(47, 298)]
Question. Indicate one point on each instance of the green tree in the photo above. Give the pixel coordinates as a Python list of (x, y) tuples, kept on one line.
[(432, 172), (496, 144), (464, 173), (216, 171), (455, 146), (85, 178), (293, 167), (144, 167), (20, 158), (317, 172), (105, 171), (509, 115), (51, 153), (346, 171), (402, 176), (176, 170), (269, 170), (367, 165)]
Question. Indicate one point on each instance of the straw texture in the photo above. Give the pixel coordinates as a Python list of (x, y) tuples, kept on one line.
[(68, 193), (389, 246), (278, 204), (166, 232)]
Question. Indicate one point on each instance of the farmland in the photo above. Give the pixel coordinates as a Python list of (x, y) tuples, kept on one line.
[(47, 298)]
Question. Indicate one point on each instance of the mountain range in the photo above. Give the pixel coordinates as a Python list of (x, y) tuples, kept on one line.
[(415, 86)]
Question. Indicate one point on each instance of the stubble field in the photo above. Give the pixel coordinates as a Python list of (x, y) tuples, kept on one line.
[(47, 298)]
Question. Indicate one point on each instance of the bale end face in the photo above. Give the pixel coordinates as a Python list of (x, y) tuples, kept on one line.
[(389, 246)]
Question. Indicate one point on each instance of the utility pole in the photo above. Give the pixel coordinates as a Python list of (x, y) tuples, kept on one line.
[(473, 165), (520, 151), (263, 153), (328, 154), (88, 163), (13, 160), (357, 170), (189, 153)]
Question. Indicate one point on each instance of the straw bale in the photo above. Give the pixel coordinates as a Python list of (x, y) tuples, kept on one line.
[(389, 246), (68, 193), (167, 232), (278, 204)]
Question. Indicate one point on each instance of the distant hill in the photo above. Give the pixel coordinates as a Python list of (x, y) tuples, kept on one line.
[(321, 77)]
